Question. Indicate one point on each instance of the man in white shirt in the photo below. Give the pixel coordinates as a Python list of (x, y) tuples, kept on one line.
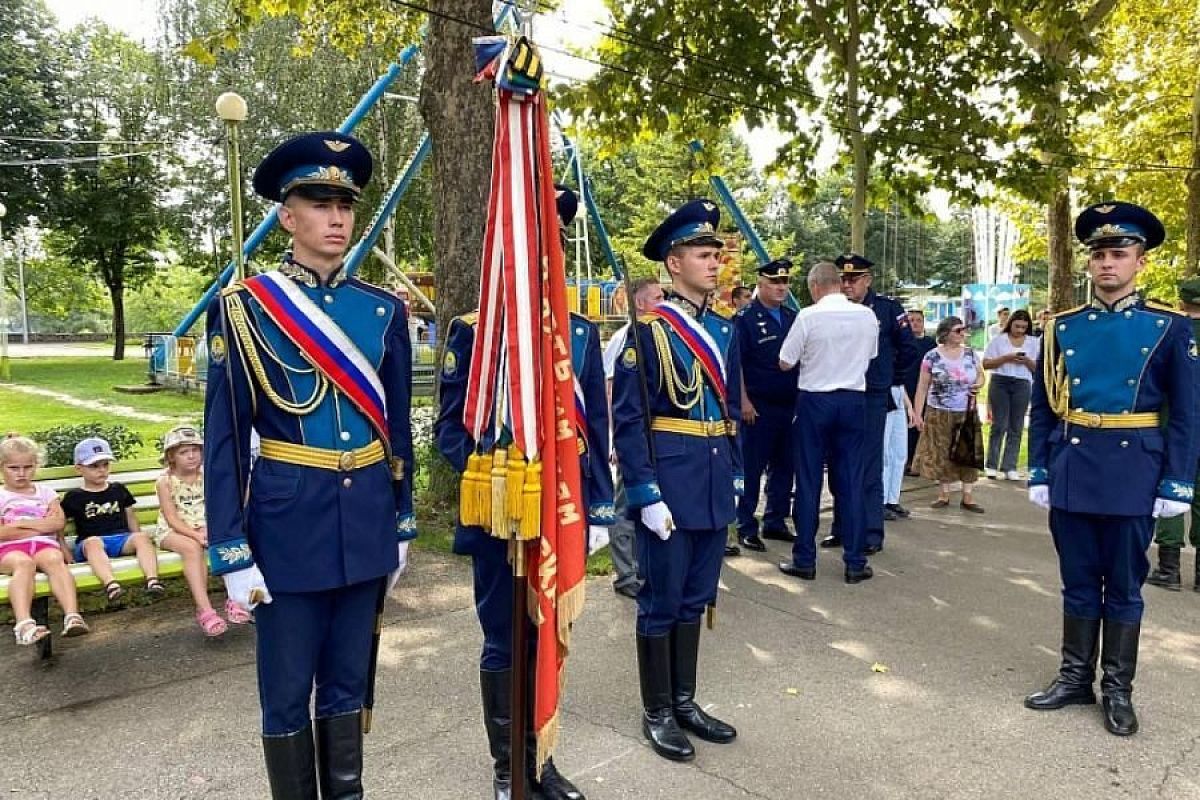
[(647, 293), (832, 342)]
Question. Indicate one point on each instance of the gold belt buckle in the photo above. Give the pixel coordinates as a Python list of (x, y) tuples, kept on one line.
[(347, 460), (1094, 420)]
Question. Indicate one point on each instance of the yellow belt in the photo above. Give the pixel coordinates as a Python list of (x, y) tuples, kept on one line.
[(1147, 419), (319, 457), (693, 427)]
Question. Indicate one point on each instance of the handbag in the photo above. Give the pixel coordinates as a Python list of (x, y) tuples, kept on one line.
[(966, 440)]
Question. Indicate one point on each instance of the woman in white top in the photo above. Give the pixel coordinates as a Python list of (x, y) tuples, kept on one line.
[(1012, 357)]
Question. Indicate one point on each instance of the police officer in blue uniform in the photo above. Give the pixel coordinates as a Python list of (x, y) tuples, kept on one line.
[(676, 396), (492, 573), (897, 348), (1111, 371), (318, 363), (767, 408)]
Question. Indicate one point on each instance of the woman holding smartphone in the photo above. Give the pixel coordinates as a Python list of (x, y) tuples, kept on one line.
[(1011, 357)]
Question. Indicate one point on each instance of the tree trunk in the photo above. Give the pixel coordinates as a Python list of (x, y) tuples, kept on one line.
[(1061, 246), (1191, 264), (116, 293), (459, 115), (858, 144)]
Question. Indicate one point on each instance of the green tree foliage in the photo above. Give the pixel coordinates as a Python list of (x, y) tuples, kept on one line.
[(898, 82), (61, 297), (29, 107), (108, 210)]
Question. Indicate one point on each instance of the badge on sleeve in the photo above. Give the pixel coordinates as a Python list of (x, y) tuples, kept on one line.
[(216, 348), (629, 358), (449, 364)]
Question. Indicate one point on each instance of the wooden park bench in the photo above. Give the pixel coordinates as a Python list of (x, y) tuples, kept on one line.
[(138, 476)]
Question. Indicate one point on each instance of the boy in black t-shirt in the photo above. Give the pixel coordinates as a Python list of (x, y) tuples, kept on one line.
[(106, 524)]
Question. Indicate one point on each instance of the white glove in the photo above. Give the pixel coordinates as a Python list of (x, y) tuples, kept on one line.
[(1040, 496), (247, 587), (597, 538), (657, 517), (1169, 508), (394, 577)]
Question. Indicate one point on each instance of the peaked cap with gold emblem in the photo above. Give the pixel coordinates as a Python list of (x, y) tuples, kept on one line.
[(694, 223), (323, 164), (1118, 224)]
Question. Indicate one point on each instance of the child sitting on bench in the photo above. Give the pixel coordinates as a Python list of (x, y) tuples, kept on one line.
[(106, 524), (31, 525)]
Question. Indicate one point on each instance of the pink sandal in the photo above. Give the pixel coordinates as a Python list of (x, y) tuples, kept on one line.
[(210, 621), (236, 614)]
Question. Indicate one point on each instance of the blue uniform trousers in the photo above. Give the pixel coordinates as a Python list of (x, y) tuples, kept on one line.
[(766, 443), (322, 638), (1102, 559), (680, 576), (494, 602), (877, 403), (829, 429)]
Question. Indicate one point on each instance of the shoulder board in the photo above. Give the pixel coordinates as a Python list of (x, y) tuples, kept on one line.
[(721, 312), (469, 318), (741, 312), (1155, 305), (1069, 311), (577, 317)]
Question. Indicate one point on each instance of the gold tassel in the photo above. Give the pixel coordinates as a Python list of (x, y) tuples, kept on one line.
[(498, 519), (483, 491), (531, 496), (516, 480), (468, 505)]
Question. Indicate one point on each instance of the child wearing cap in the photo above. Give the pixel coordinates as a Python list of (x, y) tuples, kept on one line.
[(181, 525), (106, 525), (31, 525)]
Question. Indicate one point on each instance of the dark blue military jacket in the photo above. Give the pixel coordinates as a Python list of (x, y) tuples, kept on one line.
[(698, 477), (897, 347), (760, 338), (307, 528), (1129, 358), (455, 443)]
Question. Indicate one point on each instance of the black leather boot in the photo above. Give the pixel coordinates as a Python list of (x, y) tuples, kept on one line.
[(552, 785), (1073, 686), (496, 689), (685, 650), (340, 756), (658, 718), (291, 765), (1166, 574), (1118, 660)]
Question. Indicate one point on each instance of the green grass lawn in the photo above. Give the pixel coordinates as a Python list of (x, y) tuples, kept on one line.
[(94, 379)]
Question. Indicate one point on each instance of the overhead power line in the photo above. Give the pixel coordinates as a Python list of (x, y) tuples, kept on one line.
[(77, 159), (4, 137)]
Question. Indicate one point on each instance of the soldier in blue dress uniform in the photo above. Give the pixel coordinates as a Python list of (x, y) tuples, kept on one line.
[(897, 348), (1111, 371), (676, 396), (767, 408), (492, 573), (318, 363)]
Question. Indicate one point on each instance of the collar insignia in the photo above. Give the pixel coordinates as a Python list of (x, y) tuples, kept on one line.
[(1105, 209), (335, 145), (708, 206)]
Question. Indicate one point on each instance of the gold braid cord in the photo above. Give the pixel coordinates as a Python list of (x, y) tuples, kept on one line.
[(678, 388), (1054, 374), (247, 338)]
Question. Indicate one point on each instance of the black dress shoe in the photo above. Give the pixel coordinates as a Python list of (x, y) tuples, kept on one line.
[(552, 785), (803, 573), (865, 574), (732, 550), (779, 535), (889, 515), (629, 590), (831, 541), (753, 543), (899, 510)]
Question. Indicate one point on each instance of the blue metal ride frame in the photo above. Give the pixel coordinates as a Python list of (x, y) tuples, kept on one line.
[(589, 203), (270, 220), (370, 234)]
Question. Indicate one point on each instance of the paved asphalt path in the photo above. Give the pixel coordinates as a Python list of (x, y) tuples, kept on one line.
[(908, 686)]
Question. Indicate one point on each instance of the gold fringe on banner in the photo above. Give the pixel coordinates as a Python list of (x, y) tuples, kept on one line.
[(498, 521)]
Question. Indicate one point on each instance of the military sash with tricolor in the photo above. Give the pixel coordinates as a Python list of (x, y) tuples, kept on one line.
[(322, 343), (699, 343), (521, 381)]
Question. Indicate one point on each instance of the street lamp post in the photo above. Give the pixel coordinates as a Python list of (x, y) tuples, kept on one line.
[(5, 370), (21, 286)]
